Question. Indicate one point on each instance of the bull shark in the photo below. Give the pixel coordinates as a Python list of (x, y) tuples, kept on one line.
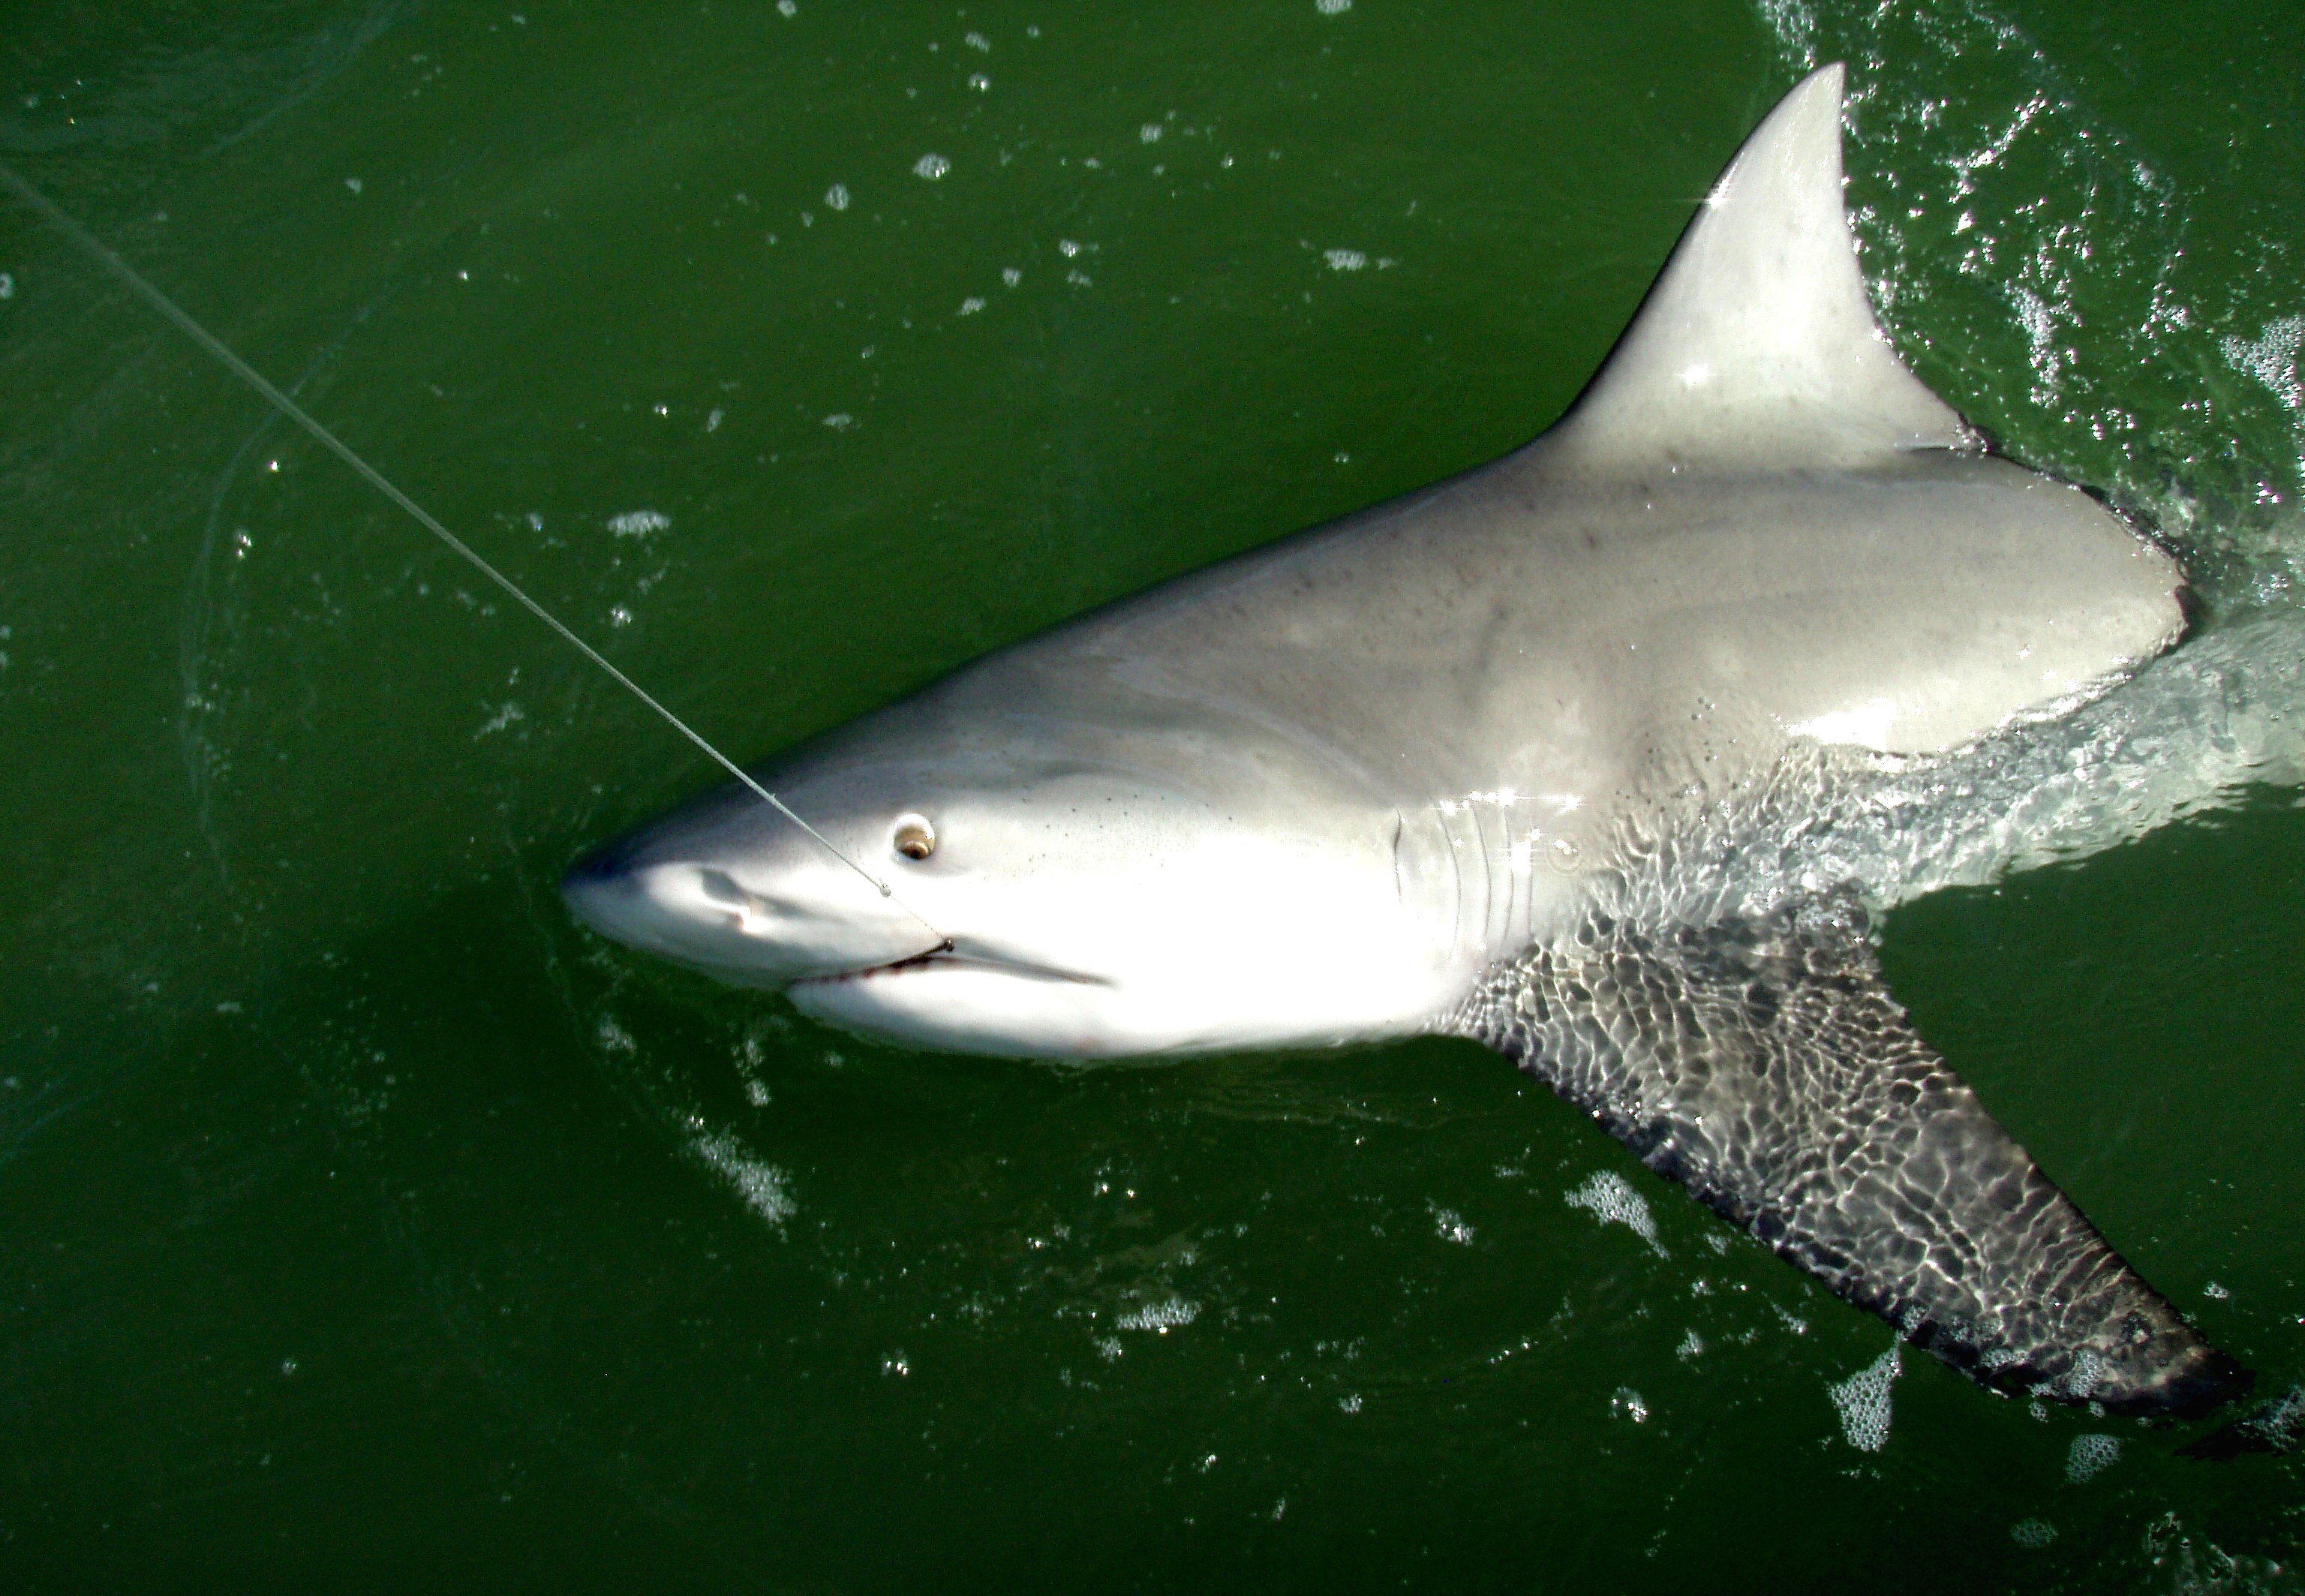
[(1608, 755)]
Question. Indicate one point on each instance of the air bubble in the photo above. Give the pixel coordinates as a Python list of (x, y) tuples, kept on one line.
[(1611, 1199), (2271, 357), (765, 1188), (2091, 1455), (1174, 1313), (1862, 1401)]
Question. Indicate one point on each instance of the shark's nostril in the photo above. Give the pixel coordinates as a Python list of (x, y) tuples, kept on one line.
[(756, 916), (721, 887)]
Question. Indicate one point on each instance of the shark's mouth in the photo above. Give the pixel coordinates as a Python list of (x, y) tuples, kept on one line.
[(949, 958)]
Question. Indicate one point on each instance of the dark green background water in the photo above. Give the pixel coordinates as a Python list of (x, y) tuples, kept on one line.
[(362, 1224)]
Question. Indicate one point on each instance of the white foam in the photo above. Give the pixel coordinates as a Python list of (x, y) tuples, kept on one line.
[(2091, 1455), (639, 523), (837, 196), (2041, 319), (1174, 1313), (932, 166), (1862, 1400), (1452, 1227), (1332, 8), (1344, 261), (2272, 358), (2032, 1533), (1611, 1199), (1627, 1403), (766, 1189)]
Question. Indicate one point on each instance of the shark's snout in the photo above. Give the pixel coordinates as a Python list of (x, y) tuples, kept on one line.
[(705, 913), (616, 896)]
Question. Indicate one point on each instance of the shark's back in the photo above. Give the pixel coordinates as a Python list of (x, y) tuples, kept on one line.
[(1513, 628), (1756, 525)]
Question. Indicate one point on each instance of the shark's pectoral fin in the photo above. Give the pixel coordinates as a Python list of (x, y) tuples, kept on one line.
[(1764, 1066)]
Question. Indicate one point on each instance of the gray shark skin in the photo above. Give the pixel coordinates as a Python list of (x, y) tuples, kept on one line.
[(1605, 755)]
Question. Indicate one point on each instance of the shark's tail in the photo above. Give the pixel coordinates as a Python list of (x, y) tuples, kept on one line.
[(2194, 731), (2205, 727)]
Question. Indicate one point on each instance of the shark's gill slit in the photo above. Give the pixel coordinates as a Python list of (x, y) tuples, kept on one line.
[(183, 320)]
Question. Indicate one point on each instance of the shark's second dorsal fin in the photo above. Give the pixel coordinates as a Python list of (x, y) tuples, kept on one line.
[(1757, 347)]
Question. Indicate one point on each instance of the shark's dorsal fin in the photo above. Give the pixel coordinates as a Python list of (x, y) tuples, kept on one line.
[(1756, 347)]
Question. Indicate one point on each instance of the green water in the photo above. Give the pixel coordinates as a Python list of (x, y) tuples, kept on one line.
[(362, 1224)]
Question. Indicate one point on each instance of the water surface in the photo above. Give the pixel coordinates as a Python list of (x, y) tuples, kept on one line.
[(363, 1223)]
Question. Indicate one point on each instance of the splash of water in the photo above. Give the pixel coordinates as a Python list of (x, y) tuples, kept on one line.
[(1997, 212)]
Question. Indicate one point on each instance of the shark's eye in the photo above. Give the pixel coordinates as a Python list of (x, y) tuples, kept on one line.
[(914, 837)]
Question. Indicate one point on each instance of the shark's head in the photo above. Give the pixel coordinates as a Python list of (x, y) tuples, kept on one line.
[(1060, 887)]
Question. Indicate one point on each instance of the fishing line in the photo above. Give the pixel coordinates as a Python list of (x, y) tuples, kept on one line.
[(295, 413)]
